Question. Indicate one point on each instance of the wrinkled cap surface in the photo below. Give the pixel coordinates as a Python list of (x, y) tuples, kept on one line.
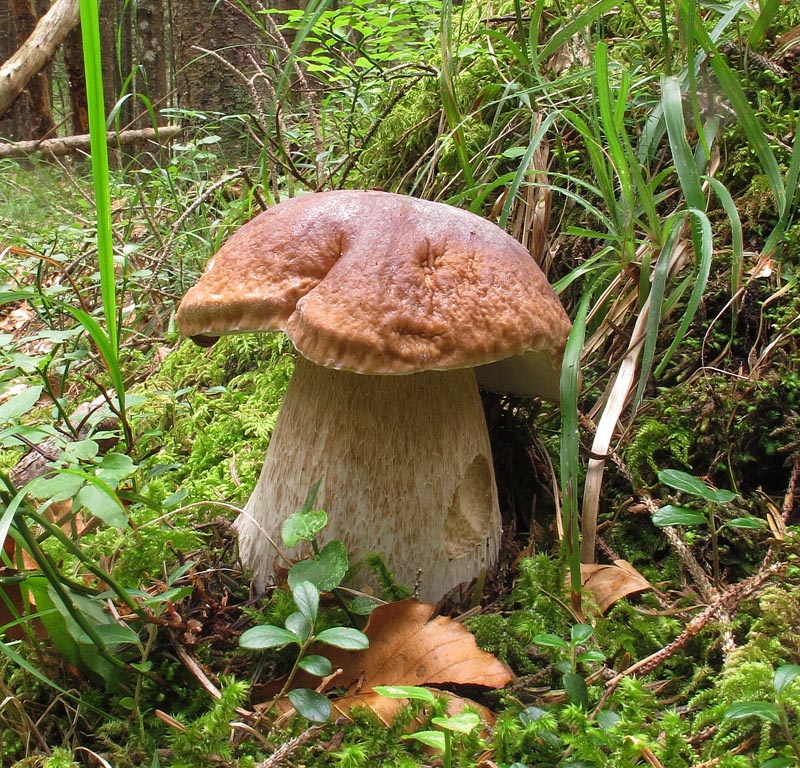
[(380, 283)]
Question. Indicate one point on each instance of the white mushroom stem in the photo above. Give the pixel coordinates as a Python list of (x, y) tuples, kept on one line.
[(406, 467)]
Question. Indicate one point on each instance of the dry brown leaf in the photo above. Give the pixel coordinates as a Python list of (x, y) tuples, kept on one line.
[(764, 266), (609, 583), (408, 647)]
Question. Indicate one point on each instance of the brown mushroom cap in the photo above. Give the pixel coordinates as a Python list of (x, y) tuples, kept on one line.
[(380, 283)]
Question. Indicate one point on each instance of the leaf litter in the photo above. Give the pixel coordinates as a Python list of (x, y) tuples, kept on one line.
[(408, 647)]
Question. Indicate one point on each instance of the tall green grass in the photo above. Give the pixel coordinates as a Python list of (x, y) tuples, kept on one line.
[(90, 35), (22, 520)]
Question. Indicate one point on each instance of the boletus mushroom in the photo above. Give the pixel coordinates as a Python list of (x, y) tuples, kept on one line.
[(400, 308)]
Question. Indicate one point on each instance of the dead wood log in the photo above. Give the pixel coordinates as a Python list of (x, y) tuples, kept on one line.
[(37, 50), (69, 144)]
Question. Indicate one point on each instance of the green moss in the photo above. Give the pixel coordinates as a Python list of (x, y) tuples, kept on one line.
[(497, 635), (219, 408), (630, 632), (747, 674), (656, 444), (207, 739), (540, 579)]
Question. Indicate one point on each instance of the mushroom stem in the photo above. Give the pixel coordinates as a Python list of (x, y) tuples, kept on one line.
[(407, 471)]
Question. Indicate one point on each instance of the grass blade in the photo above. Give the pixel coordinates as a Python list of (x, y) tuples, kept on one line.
[(696, 296), (569, 449), (80, 698), (750, 125), (448, 91), (657, 288), (682, 155), (610, 116), (792, 181), (769, 9), (737, 238), (581, 21), (90, 32), (523, 168)]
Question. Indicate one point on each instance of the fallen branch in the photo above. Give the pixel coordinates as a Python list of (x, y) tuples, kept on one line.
[(37, 50), (68, 144), (724, 604)]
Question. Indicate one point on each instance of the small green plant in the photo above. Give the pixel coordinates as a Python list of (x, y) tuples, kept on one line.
[(775, 712), (329, 564), (572, 655), (708, 500), (60, 758), (299, 629), (206, 740), (323, 572), (449, 727)]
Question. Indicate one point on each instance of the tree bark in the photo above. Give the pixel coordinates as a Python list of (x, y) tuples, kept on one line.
[(76, 82), (70, 144), (37, 50), (203, 81), (41, 121), (150, 57), (109, 24), (14, 124), (124, 59)]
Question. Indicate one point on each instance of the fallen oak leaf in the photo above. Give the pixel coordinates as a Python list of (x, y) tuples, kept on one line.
[(408, 647), (610, 583)]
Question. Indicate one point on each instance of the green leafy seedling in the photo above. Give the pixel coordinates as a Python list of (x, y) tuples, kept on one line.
[(299, 630), (462, 724), (708, 500), (574, 683), (775, 712), (329, 565)]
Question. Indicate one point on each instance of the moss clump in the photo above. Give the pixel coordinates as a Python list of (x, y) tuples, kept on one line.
[(145, 553), (688, 421), (219, 408), (496, 634), (748, 672), (531, 610)]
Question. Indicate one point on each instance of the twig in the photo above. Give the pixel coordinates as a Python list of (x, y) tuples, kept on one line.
[(66, 145), (182, 218), (347, 165), (288, 747), (695, 570), (726, 602), (30, 724), (194, 667)]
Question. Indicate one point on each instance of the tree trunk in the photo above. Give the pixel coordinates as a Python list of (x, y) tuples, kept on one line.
[(14, 124), (203, 33), (151, 58), (37, 50), (37, 91), (108, 46), (32, 115), (125, 64), (76, 81)]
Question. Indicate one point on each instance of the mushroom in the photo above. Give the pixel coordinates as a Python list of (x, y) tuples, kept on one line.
[(400, 308)]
